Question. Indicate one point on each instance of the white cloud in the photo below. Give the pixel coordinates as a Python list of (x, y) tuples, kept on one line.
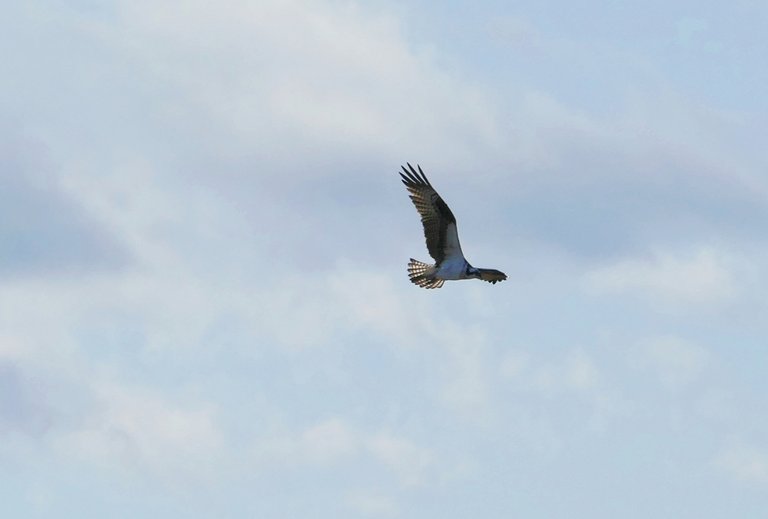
[(291, 74), (371, 504), (43, 231), (581, 372), (389, 312), (515, 32), (677, 362), (22, 405), (333, 441), (465, 371), (134, 427), (208, 139), (539, 384), (409, 461), (704, 276), (574, 371), (746, 463), (691, 32), (514, 363), (323, 443)]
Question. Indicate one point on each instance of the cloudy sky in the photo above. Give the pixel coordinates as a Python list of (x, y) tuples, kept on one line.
[(204, 308)]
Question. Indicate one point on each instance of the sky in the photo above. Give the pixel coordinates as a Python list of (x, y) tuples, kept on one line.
[(204, 304)]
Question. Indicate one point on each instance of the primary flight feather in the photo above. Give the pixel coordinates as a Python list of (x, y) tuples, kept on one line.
[(442, 238)]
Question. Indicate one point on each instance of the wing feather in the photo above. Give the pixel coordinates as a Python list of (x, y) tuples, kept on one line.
[(436, 217)]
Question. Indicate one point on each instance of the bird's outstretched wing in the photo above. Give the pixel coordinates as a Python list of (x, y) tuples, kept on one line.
[(437, 218)]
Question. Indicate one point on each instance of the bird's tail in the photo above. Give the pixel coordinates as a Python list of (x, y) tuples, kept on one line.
[(422, 274)]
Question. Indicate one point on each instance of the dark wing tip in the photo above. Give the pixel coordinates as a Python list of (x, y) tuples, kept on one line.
[(423, 176), (413, 176)]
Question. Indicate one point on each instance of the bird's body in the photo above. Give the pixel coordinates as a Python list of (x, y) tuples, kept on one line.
[(442, 238), (453, 268)]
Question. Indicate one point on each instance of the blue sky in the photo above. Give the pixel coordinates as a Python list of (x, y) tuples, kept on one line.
[(204, 308)]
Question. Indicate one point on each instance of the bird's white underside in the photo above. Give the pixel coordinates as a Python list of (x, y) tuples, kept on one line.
[(454, 265), (452, 248), (452, 268)]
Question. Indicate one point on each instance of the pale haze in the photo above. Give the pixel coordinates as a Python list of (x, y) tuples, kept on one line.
[(204, 304)]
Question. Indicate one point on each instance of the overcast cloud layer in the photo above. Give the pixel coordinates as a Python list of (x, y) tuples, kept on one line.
[(204, 309)]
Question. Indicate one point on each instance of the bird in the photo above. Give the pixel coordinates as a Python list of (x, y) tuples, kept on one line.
[(442, 238)]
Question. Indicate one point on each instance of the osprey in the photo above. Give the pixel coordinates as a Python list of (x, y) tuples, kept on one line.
[(442, 238)]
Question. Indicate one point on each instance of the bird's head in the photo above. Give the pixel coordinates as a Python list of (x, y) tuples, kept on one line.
[(492, 276)]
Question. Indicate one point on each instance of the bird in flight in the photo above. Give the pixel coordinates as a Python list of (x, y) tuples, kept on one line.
[(442, 238)]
